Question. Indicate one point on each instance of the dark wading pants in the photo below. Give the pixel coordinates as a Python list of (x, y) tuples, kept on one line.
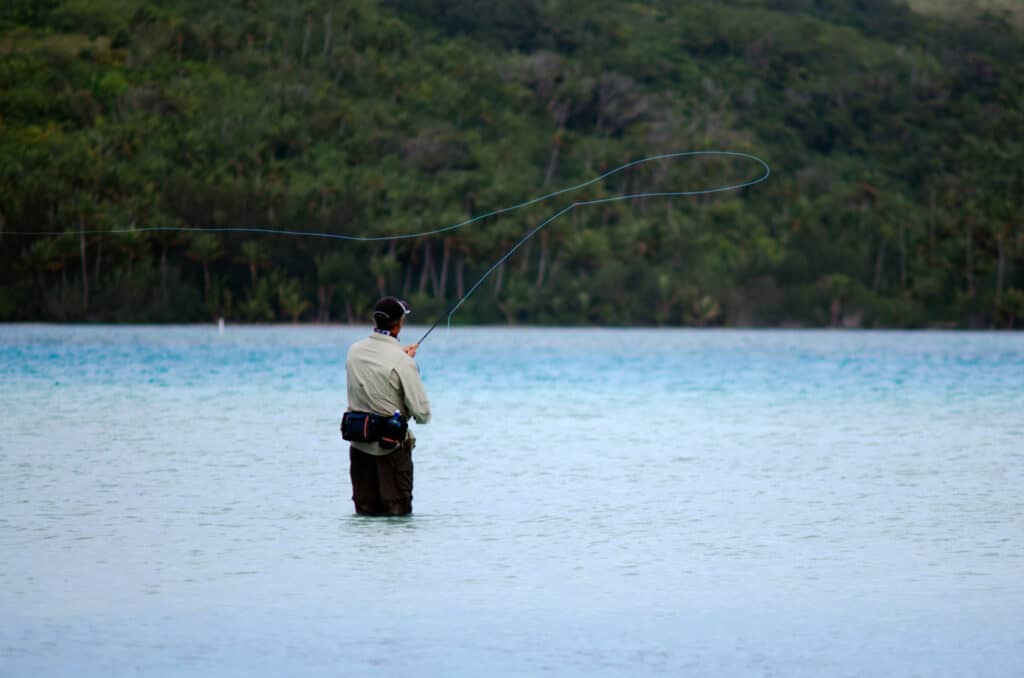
[(382, 486)]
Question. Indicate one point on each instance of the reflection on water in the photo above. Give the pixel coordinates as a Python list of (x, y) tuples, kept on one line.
[(586, 502)]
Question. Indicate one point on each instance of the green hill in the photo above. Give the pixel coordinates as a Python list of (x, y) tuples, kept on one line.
[(1012, 10), (895, 138)]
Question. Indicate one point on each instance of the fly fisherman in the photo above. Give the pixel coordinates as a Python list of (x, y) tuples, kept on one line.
[(384, 390)]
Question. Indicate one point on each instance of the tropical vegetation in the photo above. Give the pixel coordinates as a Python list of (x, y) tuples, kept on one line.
[(895, 133)]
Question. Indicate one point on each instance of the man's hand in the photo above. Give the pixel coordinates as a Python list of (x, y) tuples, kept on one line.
[(410, 350)]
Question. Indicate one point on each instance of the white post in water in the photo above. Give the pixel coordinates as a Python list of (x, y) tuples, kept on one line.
[(220, 326)]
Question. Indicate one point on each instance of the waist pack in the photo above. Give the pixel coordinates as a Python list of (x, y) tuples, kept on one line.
[(366, 427)]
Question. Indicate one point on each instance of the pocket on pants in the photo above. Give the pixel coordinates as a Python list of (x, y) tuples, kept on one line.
[(401, 460)]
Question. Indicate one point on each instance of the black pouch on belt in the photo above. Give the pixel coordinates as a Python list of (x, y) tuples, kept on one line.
[(361, 427), (392, 431)]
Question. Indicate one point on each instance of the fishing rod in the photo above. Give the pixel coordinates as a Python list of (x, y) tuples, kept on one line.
[(582, 203)]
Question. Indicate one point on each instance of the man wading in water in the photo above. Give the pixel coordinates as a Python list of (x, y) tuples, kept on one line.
[(384, 390)]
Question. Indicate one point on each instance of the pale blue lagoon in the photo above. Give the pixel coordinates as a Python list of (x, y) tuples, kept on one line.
[(588, 502)]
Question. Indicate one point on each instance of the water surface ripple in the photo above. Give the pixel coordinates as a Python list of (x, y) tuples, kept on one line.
[(588, 502)]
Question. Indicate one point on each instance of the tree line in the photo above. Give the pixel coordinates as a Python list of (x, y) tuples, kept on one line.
[(895, 139)]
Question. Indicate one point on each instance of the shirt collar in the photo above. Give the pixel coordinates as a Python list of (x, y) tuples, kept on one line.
[(383, 335)]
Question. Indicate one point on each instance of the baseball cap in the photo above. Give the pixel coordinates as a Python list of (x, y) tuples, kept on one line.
[(391, 308)]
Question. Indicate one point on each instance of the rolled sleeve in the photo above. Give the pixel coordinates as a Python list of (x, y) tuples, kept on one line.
[(415, 396)]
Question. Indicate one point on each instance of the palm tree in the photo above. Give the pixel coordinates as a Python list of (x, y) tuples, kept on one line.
[(330, 271), (256, 255), (289, 297), (206, 249), (166, 240), (50, 255)]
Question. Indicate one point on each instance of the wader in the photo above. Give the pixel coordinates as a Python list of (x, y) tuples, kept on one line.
[(382, 485)]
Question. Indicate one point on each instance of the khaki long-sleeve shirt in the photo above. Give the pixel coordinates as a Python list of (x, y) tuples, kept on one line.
[(381, 379)]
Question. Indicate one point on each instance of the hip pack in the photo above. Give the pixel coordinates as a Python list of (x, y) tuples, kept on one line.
[(366, 427)]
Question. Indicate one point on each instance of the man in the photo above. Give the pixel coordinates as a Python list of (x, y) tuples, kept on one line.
[(383, 379)]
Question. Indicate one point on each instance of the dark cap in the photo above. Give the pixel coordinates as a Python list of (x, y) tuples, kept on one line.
[(391, 309)]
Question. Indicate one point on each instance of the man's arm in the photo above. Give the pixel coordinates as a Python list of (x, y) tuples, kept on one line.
[(416, 402)]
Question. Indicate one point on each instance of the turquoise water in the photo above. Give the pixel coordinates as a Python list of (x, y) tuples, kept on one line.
[(588, 502)]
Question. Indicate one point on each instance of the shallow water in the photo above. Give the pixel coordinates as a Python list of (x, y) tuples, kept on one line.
[(588, 502)]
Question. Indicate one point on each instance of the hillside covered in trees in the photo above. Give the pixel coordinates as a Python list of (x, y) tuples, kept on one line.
[(896, 140)]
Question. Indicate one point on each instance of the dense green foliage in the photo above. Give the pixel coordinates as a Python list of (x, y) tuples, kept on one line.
[(895, 140)]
